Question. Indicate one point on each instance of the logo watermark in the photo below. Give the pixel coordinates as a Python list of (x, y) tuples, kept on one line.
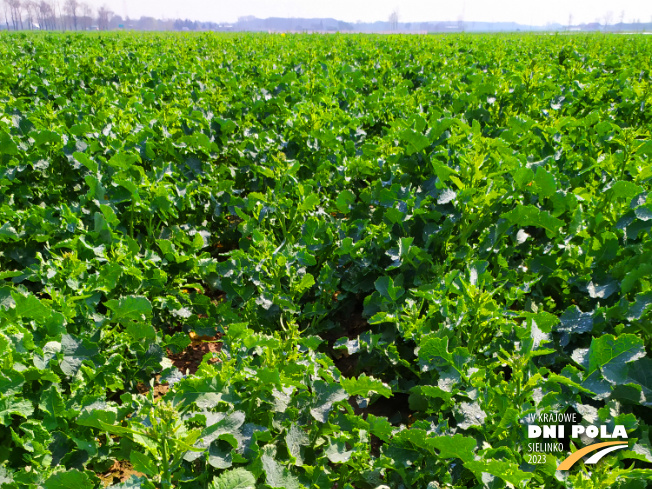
[(547, 432)]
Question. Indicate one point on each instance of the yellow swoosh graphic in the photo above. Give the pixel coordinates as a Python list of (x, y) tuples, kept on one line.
[(570, 461)]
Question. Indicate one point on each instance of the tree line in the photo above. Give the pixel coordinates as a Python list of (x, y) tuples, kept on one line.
[(54, 15)]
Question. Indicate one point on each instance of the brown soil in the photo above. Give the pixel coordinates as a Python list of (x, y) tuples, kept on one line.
[(188, 360), (120, 471), (352, 325), (159, 389)]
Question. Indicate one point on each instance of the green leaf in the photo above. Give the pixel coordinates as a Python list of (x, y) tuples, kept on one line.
[(7, 146), (523, 176), (13, 406), (219, 457), (295, 439), (309, 203), (75, 351), (575, 321), (457, 446), (380, 427), (337, 452), (275, 474), (220, 424), (143, 463), (140, 331), (307, 281), (442, 171), (634, 276), (86, 161), (529, 215), (544, 320), (8, 233), (109, 214), (433, 352), (611, 355), (69, 479), (344, 201), (385, 286), (640, 306), (507, 471), (326, 395), (545, 182), (30, 307), (97, 413), (625, 190), (469, 414), (363, 386), (234, 479), (130, 307), (415, 141)]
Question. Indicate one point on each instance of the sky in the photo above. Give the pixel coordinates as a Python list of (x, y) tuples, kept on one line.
[(522, 11)]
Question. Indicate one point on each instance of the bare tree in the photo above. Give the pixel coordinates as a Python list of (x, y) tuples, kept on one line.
[(103, 17), (393, 20), (87, 15), (31, 9), (46, 15), (6, 16), (15, 10), (622, 19), (608, 17), (71, 7)]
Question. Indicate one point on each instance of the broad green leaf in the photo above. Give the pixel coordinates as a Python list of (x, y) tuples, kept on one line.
[(220, 424), (575, 321), (364, 386), (442, 171), (7, 146), (130, 307), (30, 307), (457, 446), (14, 406), (109, 214), (325, 395), (309, 203), (69, 479), (337, 452), (433, 352), (295, 439), (625, 190), (143, 463), (344, 201), (545, 182), (380, 427), (86, 161), (140, 331), (529, 215), (523, 176), (469, 414), (8, 233), (385, 286), (219, 457), (611, 354), (276, 474), (306, 282), (507, 471), (415, 141), (640, 306), (75, 351), (234, 479), (97, 413)]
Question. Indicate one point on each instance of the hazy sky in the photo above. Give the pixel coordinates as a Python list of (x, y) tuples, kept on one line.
[(523, 11)]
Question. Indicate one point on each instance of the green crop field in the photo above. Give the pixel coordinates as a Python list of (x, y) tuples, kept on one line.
[(329, 261)]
